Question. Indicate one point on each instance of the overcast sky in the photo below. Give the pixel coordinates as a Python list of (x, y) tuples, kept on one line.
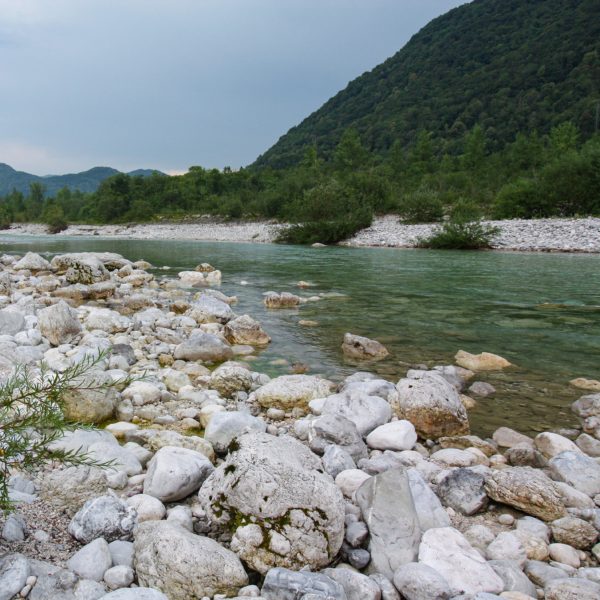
[(168, 84)]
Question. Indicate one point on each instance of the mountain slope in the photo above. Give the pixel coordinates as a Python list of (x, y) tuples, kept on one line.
[(86, 181), (510, 65)]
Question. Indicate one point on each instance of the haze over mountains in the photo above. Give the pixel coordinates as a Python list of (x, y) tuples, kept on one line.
[(508, 65), (86, 181)]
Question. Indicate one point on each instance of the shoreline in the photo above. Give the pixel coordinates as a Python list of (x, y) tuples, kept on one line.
[(581, 235)]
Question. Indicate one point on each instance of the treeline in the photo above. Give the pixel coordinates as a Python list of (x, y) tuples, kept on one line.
[(534, 176)]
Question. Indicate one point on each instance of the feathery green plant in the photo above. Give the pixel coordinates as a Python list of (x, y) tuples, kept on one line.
[(32, 418)]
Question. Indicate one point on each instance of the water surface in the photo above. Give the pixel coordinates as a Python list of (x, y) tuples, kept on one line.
[(540, 311)]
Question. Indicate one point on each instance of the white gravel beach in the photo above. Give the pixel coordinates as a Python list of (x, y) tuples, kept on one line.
[(545, 235)]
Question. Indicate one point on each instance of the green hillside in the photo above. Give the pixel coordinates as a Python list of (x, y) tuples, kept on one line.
[(86, 181), (509, 65)]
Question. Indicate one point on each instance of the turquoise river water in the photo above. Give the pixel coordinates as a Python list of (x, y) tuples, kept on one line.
[(540, 311)]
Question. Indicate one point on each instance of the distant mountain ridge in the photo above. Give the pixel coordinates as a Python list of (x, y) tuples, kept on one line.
[(508, 65), (86, 181)]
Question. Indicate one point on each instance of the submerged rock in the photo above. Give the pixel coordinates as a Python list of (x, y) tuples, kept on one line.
[(245, 330), (363, 348), (481, 362)]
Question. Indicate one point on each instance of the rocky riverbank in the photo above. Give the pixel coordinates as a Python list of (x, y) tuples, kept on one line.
[(229, 484), (534, 235), (542, 235)]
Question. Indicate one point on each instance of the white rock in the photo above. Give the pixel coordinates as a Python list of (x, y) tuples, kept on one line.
[(92, 561), (350, 480), (174, 473), (397, 435), (448, 552), (148, 507)]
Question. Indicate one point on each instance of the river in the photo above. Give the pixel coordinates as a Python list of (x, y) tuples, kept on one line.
[(540, 311)]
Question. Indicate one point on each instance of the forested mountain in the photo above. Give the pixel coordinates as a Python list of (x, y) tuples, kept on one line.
[(86, 181), (508, 65)]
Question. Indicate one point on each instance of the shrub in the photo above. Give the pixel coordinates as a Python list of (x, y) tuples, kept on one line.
[(54, 218), (327, 232), (465, 211), (521, 199), (421, 206), (460, 235), (32, 418), (5, 218)]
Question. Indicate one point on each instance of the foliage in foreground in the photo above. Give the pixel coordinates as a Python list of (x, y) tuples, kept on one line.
[(461, 235), (32, 418)]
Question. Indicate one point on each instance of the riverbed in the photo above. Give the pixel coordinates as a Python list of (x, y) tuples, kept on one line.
[(540, 311)]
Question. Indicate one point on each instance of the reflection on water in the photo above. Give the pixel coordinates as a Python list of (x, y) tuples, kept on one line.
[(540, 311)]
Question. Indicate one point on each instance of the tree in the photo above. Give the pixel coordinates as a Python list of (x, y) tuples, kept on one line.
[(32, 419), (562, 139), (350, 155), (474, 149), (34, 204)]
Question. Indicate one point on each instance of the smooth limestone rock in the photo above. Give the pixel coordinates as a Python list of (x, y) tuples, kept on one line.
[(284, 584), (92, 561), (356, 585), (363, 348), (432, 405), (292, 391), (11, 322), (224, 427), (448, 552), (528, 490), (335, 429), (283, 511), (139, 593), (105, 517), (185, 565), (481, 362), (397, 435), (207, 309), (175, 473), (14, 571), (418, 581), (513, 577), (94, 400), (388, 509), (58, 323), (430, 512), (578, 470), (366, 411), (148, 508), (205, 347), (550, 444), (32, 262)]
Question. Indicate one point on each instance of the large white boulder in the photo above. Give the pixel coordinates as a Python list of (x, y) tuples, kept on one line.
[(282, 509)]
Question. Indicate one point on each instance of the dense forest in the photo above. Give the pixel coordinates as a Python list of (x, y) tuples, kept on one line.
[(534, 176), (508, 65), (492, 110)]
